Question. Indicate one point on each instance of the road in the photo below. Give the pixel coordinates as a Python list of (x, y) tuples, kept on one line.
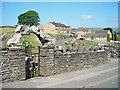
[(102, 76)]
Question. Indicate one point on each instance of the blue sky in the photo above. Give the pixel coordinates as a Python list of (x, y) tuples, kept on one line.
[(75, 14)]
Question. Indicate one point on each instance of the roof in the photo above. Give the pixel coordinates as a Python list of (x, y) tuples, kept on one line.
[(102, 31), (73, 29), (60, 25), (83, 29), (96, 35)]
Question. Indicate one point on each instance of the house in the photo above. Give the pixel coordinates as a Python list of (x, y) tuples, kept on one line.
[(98, 36), (73, 32), (105, 31), (56, 28), (81, 32)]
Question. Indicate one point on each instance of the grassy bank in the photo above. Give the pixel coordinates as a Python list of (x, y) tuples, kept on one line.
[(31, 38)]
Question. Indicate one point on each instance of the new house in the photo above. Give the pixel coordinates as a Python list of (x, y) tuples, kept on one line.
[(56, 28)]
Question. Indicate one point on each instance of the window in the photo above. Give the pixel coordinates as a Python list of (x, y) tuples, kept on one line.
[(92, 38)]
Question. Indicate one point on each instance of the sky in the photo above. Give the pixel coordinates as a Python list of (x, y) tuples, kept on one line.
[(74, 14)]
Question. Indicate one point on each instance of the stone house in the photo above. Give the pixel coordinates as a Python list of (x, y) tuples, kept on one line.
[(73, 32), (81, 32), (56, 28), (105, 31), (98, 36)]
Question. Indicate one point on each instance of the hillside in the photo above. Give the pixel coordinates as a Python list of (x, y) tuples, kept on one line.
[(31, 38)]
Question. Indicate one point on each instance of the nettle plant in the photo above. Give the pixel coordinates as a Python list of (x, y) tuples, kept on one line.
[(28, 46)]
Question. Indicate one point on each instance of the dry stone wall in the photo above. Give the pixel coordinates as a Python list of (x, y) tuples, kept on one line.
[(12, 64), (55, 63)]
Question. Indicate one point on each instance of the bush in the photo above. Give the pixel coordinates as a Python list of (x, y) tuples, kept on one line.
[(118, 37), (28, 46)]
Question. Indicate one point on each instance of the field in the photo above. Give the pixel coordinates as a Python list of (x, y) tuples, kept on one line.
[(9, 32), (31, 38)]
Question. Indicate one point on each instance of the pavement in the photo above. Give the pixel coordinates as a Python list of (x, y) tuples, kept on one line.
[(101, 76)]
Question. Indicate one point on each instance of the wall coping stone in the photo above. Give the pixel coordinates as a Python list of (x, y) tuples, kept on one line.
[(16, 48), (47, 47), (78, 52)]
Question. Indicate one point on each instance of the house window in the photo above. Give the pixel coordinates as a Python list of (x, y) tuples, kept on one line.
[(92, 38)]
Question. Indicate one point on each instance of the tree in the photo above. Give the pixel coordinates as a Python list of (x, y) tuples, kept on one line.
[(108, 37), (115, 36), (118, 37), (110, 29), (29, 18)]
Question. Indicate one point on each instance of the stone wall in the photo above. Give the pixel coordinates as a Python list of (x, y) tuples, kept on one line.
[(47, 61), (13, 64), (53, 63)]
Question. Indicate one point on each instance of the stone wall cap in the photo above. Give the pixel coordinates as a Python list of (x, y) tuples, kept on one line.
[(79, 52), (48, 47), (100, 50), (16, 48)]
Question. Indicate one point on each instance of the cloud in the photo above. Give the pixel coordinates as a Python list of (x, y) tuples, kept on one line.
[(86, 17)]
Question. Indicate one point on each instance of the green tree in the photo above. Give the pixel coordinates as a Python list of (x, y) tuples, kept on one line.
[(114, 36), (29, 18), (108, 37), (118, 37), (110, 29)]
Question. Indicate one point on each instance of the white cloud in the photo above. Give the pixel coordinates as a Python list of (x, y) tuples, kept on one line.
[(86, 17)]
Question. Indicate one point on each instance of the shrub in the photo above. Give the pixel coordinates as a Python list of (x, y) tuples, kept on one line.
[(28, 46)]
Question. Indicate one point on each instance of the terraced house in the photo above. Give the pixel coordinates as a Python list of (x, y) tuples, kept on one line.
[(81, 32), (56, 28), (99, 36)]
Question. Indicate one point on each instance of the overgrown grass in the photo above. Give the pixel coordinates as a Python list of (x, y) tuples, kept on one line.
[(7, 30), (82, 43), (58, 36), (34, 40), (87, 43)]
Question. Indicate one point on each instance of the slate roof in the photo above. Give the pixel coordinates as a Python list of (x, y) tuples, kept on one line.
[(102, 31), (60, 25), (83, 29), (73, 29), (103, 35)]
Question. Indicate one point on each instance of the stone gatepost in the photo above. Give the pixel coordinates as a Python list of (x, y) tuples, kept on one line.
[(47, 61), (13, 64)]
